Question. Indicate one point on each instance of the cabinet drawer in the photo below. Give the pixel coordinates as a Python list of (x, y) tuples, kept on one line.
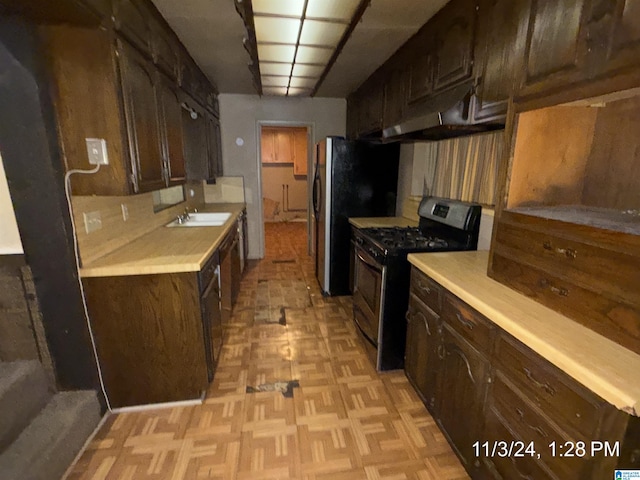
[(605, 270), (565, 401), (467, 322), (426, 290), (510, 467), (529, 425), (616, 320)]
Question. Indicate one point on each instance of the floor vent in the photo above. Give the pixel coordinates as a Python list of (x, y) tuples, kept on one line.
[(286, 388)]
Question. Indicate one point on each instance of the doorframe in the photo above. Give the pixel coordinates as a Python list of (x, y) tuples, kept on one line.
[(311, 141)]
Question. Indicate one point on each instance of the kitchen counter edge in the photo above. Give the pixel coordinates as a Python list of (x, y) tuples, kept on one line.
[(121, 262), (604, 367)]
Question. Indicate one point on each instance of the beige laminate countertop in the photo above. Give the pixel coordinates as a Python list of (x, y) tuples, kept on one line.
[(601, 365), (377, 222), (166, 250)]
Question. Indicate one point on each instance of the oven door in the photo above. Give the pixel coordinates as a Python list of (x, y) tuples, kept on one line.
[(367, 294)]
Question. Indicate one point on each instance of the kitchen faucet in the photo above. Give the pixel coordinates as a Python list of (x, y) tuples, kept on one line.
[(185, 216)]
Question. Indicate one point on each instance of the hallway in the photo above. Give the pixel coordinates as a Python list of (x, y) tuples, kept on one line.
[(338, 419)]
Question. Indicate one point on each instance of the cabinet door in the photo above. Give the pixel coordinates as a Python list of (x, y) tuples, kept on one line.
[(420, 72), (394, 97), (172, 138), (462, 383), (132, 21), (214, 155), (165, 51), (421, 362), (371, 106), (194, 125), (556, 46), (268, 144), (353, 115), (301, 152), (141, 113), (455, 33), (284, 145), (624, 52), (502, 34)]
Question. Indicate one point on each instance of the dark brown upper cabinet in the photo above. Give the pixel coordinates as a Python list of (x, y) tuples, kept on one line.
[(371, 105), (421, 66), (455, 28), (102, 8), (169, 101), (132, 22), (142, 120), (395, 91), (624, 47), (557, 47), (499, 53), (165, 52), (214, 148), (352, 116)]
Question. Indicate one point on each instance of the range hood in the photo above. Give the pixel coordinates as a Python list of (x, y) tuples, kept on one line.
[(447, 115)]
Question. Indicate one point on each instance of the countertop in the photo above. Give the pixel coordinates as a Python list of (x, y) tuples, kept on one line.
[(377, 222), (599, 364), (166, 250)]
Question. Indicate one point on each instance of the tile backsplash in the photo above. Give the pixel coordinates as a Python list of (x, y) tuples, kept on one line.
[(116, 232), (225, 190)]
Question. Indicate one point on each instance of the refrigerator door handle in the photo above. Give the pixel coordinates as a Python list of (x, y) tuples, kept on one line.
[(316, 194)]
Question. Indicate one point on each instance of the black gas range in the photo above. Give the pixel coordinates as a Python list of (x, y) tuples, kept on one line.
[(382, 272)]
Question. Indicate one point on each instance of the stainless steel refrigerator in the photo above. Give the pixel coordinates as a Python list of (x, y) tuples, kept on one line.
[(351, 179)]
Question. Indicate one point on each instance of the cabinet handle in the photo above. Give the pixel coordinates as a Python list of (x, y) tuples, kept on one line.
[(563, 292), (538, 430), (426, 323), (567, 252), (424, 288), (545, 386), (407, 316), (441, 352), (466, 361), (464, 321)]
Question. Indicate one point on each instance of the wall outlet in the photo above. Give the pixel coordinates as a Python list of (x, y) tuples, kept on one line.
[(125, 211), (97, 151), (92, 221)]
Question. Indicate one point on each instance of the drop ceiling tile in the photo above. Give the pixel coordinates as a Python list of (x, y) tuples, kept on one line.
[(276, 53), (299, 82), (338, 9), (267, 68), (307, 70), (278, 7), (321, 33), (276, 30), (313, 55)]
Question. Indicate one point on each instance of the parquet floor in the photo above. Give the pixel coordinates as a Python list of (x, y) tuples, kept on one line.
[(343, 421)]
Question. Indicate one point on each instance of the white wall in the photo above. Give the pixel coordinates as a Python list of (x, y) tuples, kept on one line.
[(9, 237), (240, 116)]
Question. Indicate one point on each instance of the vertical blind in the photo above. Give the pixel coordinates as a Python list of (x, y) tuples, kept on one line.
[(464, 168)]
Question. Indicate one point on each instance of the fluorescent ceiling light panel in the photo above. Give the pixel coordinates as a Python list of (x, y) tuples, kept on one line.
[(274, 91), (270, 81), (315, 55), (267, 68), (276, 53), (299, 82), (307, 70), (321, 33), (299, 92), (336, 9), (291, 8), (276, 30)]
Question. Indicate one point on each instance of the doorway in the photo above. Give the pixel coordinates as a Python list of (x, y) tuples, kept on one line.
[(284, 160)]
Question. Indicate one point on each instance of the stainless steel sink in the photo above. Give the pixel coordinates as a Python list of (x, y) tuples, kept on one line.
[(202, 220)]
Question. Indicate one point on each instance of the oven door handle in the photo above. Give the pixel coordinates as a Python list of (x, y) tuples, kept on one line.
[(373, 266), (355, 319)]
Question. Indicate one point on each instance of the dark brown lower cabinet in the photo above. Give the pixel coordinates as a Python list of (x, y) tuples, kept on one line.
[(486, 389), (421, 353), (462, 386), (230, 274), (150, 337)]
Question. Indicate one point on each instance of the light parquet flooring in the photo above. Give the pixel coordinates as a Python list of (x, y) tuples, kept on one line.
[(344, 421)]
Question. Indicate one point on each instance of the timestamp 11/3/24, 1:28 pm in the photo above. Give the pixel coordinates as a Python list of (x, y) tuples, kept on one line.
[(517, 448)]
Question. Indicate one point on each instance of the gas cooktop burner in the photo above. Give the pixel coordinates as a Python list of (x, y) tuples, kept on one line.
[(409, 238)]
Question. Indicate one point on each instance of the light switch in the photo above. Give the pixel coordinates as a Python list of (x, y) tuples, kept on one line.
[(97, 151)]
